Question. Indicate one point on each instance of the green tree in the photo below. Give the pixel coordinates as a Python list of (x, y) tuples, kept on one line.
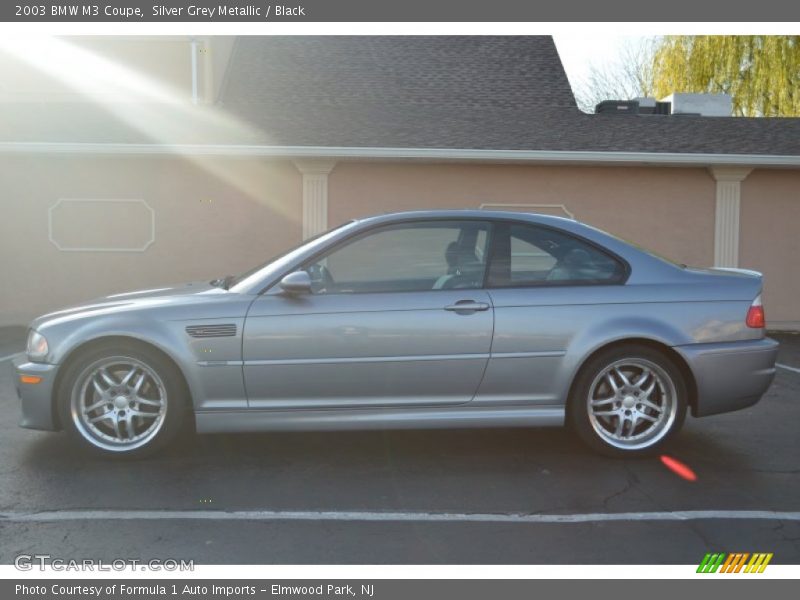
[(761, 72)]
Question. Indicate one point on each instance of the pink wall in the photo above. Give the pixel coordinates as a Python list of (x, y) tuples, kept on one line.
[(668, 210), (223, 216), (211, 218), (770, 240)]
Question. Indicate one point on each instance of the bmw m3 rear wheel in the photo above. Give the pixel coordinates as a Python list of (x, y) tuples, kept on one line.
[(122, 402), (628, 401)]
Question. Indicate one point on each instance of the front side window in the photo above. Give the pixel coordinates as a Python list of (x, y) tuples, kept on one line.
[(431, 255), (527, 255)]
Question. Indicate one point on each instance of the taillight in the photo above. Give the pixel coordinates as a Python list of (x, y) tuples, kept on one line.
[(755, 315)]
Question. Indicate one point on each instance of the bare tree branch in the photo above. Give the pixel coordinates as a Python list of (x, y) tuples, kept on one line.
[(629, 76)]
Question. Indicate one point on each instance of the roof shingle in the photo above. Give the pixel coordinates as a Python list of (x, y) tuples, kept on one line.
[(501, 92), (447, 92)]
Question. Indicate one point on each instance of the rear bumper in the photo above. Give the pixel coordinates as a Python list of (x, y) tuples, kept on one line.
[(36, 398), (730, 375)]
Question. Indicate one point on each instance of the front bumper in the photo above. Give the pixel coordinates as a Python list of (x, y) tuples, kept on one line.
[(36, 399), (730, 375)]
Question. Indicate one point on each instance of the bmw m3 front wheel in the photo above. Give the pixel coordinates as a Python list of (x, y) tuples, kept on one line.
[(125, 402)]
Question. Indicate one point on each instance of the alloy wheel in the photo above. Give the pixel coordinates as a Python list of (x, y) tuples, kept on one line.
[(119, 403), (632, 403)]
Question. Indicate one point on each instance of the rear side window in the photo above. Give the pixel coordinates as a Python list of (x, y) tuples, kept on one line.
[(528, 255)]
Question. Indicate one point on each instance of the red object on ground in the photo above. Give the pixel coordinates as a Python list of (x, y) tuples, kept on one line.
[(677, 467)]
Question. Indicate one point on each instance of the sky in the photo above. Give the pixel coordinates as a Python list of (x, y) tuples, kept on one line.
[(579, 52)]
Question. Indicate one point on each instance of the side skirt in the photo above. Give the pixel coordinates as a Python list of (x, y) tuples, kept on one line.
[(378, 418)]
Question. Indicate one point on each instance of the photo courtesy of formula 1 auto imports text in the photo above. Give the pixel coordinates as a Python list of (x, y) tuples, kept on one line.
[(339, 299)]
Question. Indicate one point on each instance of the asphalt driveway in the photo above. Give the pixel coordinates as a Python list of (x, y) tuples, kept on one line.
[(472, 496)]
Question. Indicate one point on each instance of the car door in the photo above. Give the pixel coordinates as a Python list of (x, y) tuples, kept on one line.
[(397, 317)]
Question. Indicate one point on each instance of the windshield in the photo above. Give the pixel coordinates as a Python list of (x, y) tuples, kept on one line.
[(281, 260)]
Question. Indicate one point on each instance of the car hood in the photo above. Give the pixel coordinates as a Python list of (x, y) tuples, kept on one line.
[(172, 294)]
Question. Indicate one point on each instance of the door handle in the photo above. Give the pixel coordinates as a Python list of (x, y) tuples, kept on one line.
[(467, 306)]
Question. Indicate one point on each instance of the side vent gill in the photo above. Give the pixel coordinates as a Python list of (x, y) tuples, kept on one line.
[(209, 331)]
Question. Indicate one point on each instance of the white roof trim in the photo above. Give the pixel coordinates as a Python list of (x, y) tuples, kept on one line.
[(426, 154)]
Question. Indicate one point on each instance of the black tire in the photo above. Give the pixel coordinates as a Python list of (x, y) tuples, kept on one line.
[(164, 385), (600, 431)]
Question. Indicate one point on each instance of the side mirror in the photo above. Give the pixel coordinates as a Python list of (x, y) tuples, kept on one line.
[(298, 282)]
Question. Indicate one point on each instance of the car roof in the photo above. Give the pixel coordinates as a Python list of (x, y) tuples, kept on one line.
[(564, 223), (471, 214)]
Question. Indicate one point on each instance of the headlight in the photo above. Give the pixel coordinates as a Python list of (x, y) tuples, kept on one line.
[(37, 346)]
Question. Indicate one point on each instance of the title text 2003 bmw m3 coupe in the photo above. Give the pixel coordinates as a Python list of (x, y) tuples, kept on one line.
[(425, 319)]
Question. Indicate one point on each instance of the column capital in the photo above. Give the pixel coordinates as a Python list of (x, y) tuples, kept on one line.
[(730, 174), (315, 166)]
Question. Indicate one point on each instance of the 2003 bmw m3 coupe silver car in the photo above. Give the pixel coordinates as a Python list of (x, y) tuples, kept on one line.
[(411, 320)]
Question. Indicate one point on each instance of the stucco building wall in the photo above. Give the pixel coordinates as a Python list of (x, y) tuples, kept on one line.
[(216, 216), (667, 210), (769, 240), (210, 218)]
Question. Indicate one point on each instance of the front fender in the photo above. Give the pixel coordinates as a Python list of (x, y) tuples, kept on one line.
[(211, 367)]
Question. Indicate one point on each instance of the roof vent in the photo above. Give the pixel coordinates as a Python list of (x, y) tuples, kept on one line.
[(617, 107), (706, 105), (651, 106)]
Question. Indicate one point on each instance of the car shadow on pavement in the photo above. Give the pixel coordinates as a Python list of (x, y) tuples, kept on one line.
[(299, 447), (486, 455), (463, 471)]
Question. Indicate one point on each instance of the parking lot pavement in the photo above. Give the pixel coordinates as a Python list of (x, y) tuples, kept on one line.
[(790, 349), (329, 490), (12, 341)]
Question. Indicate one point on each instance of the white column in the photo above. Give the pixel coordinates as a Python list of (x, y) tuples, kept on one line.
[(193, 49), (315, 195), (726, 224)]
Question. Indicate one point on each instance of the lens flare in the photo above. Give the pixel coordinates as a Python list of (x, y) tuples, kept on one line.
[(677, 467), (161, 112)]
